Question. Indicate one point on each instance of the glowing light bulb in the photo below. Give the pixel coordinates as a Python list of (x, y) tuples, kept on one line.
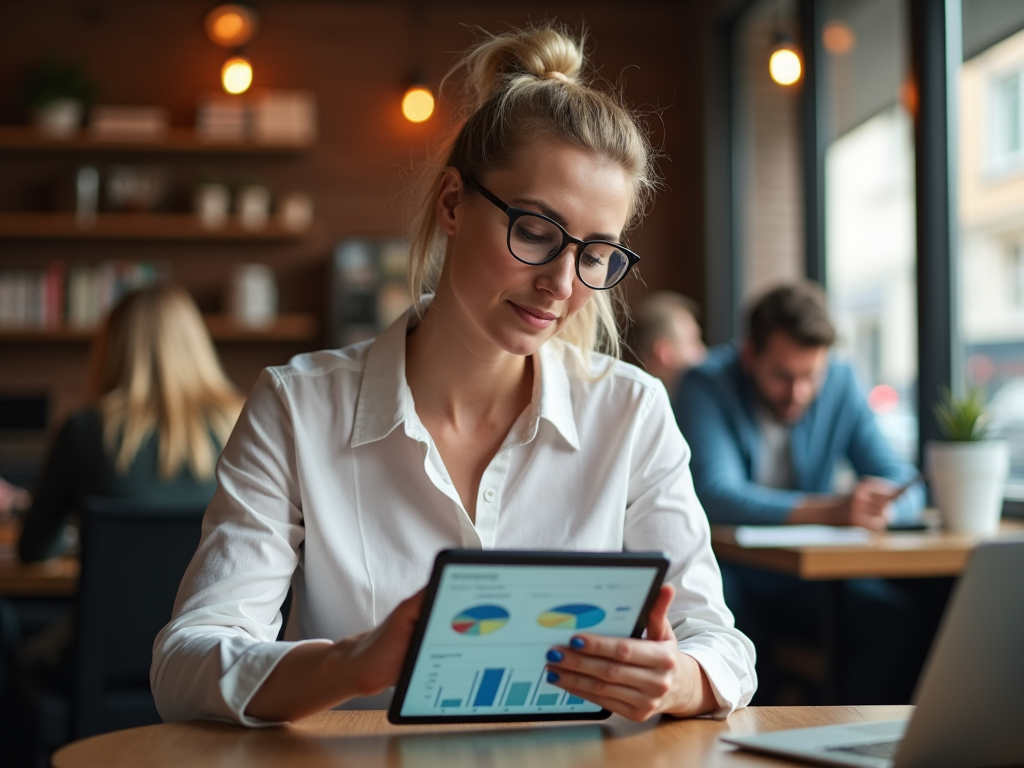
[(236, 74), (784, 66), (418, 104), (231, 25)]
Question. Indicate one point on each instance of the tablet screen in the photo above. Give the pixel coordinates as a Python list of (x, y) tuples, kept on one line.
[(483, 649)]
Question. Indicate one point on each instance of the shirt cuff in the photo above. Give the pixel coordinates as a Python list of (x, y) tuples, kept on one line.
[(727, 688), (245, 676)]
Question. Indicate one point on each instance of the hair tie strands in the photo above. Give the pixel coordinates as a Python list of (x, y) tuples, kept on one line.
[(554, 75)]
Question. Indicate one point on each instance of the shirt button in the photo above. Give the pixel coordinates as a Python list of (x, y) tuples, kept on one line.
[(489, 495)]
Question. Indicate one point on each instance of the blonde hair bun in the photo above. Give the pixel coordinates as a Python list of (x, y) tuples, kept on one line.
[(537, 53), (523, 85)]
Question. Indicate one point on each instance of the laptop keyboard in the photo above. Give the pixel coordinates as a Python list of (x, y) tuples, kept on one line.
[(883, 749)]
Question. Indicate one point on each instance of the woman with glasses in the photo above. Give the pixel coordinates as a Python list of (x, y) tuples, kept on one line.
[(493, 415)]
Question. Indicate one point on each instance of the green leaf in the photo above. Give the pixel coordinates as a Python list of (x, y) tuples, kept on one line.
[(962, 419)]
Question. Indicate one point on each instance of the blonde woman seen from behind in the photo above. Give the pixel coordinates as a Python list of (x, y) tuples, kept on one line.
[(494, 414), (162, 408)]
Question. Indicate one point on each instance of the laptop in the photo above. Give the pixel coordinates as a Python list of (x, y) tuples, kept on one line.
[(970, 699)]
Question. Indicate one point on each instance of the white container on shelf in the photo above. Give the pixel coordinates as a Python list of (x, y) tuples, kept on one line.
[(252, 296), (253, 206), (211, 203), (295, 211)]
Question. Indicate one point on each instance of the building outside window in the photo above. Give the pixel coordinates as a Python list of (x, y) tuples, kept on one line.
[(991, 208), (869, 208)]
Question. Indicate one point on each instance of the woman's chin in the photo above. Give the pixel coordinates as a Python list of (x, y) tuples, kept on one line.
[(522, 343)]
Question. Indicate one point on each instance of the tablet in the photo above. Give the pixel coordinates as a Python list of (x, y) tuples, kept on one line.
[(489, 617)]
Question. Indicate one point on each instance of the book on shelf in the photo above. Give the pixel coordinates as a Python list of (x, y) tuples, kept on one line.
[(76, 297)]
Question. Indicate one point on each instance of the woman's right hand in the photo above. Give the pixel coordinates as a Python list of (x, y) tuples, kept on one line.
[(316, 676), (374, 659)]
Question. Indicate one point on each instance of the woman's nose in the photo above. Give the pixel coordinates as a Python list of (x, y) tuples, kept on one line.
[(559, 274)]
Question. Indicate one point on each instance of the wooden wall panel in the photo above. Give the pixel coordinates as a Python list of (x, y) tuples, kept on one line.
[(356, 57)]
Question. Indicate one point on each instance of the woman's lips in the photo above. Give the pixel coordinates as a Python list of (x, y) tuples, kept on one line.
[(534, 317)]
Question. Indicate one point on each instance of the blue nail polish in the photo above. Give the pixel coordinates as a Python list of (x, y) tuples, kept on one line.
[(552, 677), (577, 642), (554, 655)]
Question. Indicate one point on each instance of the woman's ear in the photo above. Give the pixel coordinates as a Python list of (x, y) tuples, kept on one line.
[(448, 199)]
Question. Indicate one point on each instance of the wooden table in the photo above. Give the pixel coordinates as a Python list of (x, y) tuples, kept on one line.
[(366, 739), (53, 578), (894, 555), (890, 555)]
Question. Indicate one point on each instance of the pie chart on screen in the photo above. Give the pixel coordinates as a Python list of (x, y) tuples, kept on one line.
[(574, 616), (480, 620)]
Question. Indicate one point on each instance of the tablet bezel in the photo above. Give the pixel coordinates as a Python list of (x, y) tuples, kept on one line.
[(656, 560)]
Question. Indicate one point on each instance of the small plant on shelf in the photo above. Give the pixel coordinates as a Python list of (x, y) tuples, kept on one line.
[(962, 419), (56, 94)]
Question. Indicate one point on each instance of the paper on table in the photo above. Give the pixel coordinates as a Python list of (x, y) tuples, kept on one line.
[(800, 535)]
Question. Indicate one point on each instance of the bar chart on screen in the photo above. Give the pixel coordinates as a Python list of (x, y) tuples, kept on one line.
[(485, 645)]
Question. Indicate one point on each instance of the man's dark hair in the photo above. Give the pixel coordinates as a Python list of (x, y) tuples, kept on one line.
[(653, 319), (798, 310)]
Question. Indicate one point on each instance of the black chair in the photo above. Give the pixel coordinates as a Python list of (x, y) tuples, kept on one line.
[(133, 558), (134, 555)]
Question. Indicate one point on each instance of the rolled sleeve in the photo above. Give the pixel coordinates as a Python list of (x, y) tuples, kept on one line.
[(219, 647), (663, 513)]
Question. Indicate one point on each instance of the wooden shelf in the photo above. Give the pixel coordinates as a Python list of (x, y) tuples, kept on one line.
[(176, 141), (287, 328), (129, 226)]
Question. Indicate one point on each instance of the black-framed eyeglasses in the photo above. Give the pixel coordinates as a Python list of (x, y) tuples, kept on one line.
[(536, 239)]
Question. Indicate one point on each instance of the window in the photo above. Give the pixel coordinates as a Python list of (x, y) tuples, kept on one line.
[(1016, 256), (869, 214), (991, 220), (1005, 105)]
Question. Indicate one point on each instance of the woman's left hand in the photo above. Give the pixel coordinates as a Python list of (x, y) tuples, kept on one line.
[(634, 678)]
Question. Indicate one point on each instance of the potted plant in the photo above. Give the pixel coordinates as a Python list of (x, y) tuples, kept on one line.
[(967, 473), (56, 95)]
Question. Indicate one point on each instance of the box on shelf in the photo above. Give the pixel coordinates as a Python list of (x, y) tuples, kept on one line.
[(284, 117), (117, 123), (265, 117), (222, 119)]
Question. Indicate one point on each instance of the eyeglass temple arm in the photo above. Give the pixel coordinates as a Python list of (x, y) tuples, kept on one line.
[(469, 181)]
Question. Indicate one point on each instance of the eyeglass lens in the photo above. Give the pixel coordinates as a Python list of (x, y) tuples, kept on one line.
[(536, 241)]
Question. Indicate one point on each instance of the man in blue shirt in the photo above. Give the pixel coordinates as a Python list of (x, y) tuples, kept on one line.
[(768, 423)]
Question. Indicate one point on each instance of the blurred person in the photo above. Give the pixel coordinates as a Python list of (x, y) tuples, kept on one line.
[(162, 409), (768, 422), (667, 336)]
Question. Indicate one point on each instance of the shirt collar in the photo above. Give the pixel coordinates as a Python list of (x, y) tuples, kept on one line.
[(381, 405)]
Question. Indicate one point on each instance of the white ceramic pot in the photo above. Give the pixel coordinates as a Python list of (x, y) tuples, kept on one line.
[(211, 203), (252, 295), (59, 119), (968, 480)]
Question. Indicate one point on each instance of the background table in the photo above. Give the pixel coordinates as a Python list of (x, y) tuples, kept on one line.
[(892, 555), (366, 739), (53, 578)]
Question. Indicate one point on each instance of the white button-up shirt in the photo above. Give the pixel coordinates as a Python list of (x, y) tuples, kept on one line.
[(331, 484)]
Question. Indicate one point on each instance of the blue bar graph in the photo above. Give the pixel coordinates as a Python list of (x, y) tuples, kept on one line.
[(488, 687), (517, 694), (451, 703), (574, 700)]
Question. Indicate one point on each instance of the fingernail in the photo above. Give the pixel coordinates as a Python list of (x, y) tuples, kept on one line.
[(552, 677), (554, 655), (577, 642)]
